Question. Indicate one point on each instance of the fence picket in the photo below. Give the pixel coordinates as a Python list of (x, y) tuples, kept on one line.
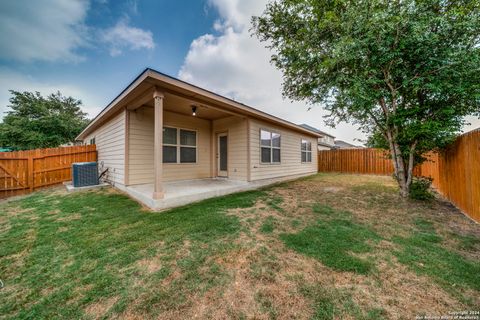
[(24, 171)]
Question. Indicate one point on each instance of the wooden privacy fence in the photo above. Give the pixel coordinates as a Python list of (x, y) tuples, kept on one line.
[(368, 161), (456, 173), (24, 171), (455, 170)]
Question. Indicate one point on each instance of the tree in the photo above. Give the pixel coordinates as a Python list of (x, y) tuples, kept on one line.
[(408, 69), (377, 140), (38, 122)]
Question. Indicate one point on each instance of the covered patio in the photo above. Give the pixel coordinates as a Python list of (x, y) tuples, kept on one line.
[(178, 193), (182, 148)]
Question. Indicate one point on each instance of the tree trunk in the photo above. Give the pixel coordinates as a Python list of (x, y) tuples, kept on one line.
[(399, 166), (401, 174), (411, 164)]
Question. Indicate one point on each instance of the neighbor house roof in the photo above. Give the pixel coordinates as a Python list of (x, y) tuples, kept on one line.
[(323, 133), (163, 81), (340, 144)]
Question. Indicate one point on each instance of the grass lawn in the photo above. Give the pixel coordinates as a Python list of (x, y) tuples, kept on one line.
[(326, 247)]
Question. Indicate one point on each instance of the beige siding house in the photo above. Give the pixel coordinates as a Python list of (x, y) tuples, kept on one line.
[(325, 142), (166, 143)]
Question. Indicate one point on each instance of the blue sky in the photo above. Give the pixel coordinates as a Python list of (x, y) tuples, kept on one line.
[(98, 63), (92, 49)]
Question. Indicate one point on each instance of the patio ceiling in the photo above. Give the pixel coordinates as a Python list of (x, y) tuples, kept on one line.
[(174, 103)]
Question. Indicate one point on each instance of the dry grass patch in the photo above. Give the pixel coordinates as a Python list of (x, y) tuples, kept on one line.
[(14, 211), (259, 287), (150, 265), (98, 309), (70, 217)]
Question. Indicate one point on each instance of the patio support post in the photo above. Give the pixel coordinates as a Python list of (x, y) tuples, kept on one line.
[(158, 145)]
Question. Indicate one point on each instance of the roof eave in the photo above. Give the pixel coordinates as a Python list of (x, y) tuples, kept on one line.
[(240, 107)]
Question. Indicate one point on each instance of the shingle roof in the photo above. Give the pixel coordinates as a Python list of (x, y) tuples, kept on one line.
[(306, 126), (340, 144)]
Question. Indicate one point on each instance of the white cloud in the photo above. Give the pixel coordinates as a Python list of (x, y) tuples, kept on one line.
[(122, 36), (237, 65), (42, 30), (55, 30), (237, 13), (12, 80)]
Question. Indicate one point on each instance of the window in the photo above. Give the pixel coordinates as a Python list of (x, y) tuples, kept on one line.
[(306, 151), (92, 141), (169, 145), (270, 146), (179, 145), (188, 146)]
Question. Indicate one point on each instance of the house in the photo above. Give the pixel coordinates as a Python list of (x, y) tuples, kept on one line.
[(325, 142), (340, 144), (167, 143)]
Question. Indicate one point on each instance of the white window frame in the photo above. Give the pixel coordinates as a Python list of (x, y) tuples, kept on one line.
[(178, 146), (306, 151), (271, 147)]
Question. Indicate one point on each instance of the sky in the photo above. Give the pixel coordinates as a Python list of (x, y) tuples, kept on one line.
[(92, 49)]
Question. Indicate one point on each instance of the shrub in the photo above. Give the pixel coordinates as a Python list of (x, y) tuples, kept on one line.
[(420, 189)]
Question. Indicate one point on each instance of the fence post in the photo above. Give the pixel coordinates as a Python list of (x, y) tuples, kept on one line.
[(30, 171)]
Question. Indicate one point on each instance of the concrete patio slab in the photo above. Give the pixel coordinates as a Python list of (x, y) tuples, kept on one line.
[(180, 193)]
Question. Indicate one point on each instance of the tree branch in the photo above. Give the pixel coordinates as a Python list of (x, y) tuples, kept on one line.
[(377, 123), (417, 76)]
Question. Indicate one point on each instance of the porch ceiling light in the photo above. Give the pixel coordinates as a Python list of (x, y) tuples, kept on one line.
[(194, 111)]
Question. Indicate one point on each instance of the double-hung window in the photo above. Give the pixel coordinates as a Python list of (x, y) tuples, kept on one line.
[(270, 146), (306, 151), (179, 145)]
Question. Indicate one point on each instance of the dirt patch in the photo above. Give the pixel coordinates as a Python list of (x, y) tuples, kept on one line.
[(150, 265), (17, 261), (247, 296), (55, 191), (176, 273), (107, 190), (399, 292), (332, 189), (130, 315), (99, 309), (4, 224), (289, 200), (47, 291), (17, 211), (281, 214), (4, 227), (70, 217)]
